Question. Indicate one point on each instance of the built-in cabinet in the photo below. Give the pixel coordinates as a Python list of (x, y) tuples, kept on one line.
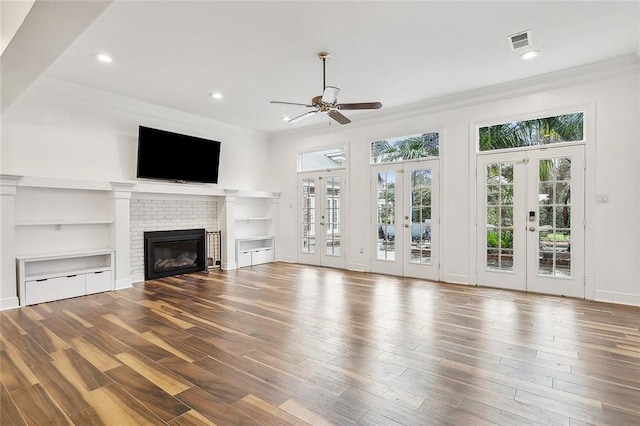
[(63, 242), (254, 228), (254, 250), (46, 277)]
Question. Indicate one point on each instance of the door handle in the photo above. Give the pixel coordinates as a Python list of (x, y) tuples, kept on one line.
[(406, 225), (532, 228), (322, 223)]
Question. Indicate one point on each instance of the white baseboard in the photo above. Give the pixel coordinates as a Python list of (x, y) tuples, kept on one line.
[(287, 259), (455, 279), (358, 267), (10, 303), (137, 278), (124, 283), (616, 297), (228, 266)]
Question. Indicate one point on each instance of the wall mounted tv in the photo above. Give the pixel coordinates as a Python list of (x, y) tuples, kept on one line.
[(171, 156)]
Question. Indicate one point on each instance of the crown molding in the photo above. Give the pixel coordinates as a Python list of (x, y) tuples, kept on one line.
[(598, 71), (86, 94)]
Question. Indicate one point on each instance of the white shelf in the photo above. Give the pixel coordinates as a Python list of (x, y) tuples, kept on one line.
[(256, 237), (65, 255), (63, 222), (254, 218)]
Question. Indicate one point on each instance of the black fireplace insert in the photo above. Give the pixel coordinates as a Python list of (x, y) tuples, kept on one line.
[(176, 252)]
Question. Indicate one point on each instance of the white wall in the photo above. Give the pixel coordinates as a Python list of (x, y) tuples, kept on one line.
[(60, 130), (612, 153)]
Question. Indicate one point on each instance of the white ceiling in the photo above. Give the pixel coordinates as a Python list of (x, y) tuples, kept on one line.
[(175, 53)]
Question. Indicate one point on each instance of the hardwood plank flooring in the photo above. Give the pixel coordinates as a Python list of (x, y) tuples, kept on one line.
[(284, 344)]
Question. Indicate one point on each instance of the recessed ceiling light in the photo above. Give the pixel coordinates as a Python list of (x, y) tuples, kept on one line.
[(103, 57), (216, 95), (530, 54), (285, 118)]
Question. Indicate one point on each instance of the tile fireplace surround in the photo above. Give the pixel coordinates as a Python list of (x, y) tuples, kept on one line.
[(153, 214)]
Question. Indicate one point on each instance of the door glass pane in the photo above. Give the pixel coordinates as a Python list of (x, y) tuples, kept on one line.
[(332, 215), (385, 222), (499, 215), (554, 212), (420, 216), (308, 219)]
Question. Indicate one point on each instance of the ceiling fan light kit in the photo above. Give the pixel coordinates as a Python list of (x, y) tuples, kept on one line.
[(328, 101)]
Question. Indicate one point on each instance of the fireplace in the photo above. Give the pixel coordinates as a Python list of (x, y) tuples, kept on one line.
[(173, 252)]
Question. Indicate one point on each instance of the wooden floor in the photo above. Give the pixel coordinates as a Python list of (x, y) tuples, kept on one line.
[(288, 344)]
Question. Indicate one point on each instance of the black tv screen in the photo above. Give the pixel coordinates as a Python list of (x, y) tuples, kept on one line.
[(172, 156)]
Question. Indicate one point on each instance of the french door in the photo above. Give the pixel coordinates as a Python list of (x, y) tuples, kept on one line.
[(530, 220), (405, 219), (321, 222)]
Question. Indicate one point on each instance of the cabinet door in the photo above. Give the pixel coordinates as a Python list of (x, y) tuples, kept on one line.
[(71, 286), (41, 291), (98, 282), (244, 259), (262, 256)]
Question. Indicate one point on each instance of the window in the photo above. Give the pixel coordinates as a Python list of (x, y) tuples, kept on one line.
[(325, 159), (539, 131), (404, 148)]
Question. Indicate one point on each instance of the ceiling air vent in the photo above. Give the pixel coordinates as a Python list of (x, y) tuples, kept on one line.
[(520, 40)]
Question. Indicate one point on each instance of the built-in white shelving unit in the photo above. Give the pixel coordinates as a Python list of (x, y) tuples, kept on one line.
[(59, 220), (254, 229), (64, 241), (46, 277), (255, 250)]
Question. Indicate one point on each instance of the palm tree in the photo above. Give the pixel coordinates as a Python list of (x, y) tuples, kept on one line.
[(540, 131), (411, 148)]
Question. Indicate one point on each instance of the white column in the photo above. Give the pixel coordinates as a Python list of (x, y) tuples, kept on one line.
[(228, 227), (8, 282), (273, 213), (121, 232)]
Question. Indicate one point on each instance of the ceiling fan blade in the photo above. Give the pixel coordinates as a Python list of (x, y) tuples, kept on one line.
[(330, 94), (337, 115), (302, 116), (291, 103), (360, 105)]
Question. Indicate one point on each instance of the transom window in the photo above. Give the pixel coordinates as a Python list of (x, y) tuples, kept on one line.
[(325, 159), (413, 147), (539, 131)]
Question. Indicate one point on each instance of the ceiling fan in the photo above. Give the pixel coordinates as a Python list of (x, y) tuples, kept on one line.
[(328, 101)]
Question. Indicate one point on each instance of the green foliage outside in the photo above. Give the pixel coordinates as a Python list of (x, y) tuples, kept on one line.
[(411, 148), (540, 131), (561, 238), (497, 239)]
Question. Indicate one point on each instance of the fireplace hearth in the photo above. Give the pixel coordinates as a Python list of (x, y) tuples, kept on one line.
[(176, 252)]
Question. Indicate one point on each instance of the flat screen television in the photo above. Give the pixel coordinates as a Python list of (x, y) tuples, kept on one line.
[(172, 156)]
